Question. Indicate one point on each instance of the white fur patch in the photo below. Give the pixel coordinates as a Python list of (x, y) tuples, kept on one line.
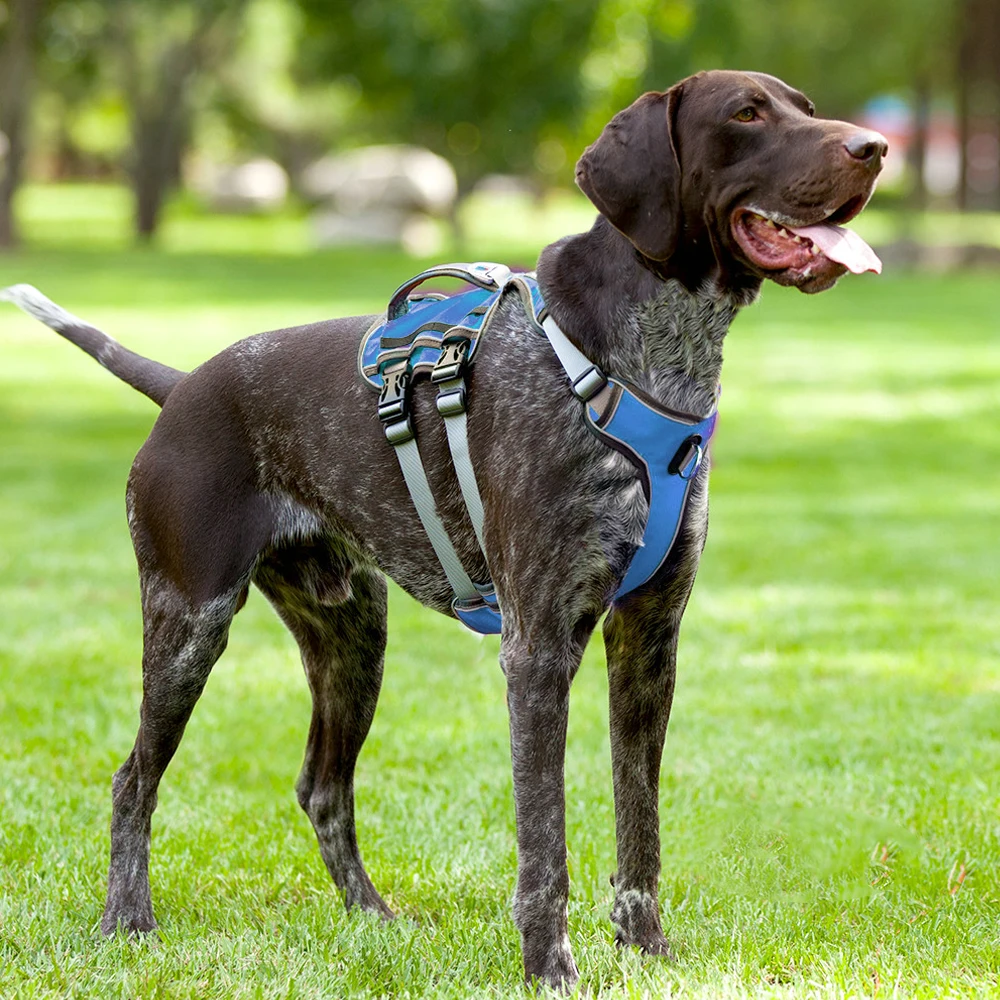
[(31, 300)]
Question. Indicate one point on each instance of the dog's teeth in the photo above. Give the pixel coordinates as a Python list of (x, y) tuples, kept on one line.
[(796, 238), (770, 222)]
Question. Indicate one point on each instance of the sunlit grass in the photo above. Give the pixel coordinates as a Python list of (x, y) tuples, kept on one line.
[(831, 784)]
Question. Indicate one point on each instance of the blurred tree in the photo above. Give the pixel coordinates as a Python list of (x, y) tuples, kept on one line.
[(262, 105), (493, 86), (162, 46), (76, 71), (19, 20), (977, 73)]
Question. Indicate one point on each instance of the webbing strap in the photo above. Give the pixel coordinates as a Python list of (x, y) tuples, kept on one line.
[(420, 490), (456, 428), (588, 382), (572, 359)]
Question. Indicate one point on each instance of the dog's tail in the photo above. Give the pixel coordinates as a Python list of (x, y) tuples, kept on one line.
[(149, 377)]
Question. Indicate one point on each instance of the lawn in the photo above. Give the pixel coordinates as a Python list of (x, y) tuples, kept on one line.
[(831, 781)]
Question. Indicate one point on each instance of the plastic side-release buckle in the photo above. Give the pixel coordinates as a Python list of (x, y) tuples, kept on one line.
[(451, 362), (393, 405)]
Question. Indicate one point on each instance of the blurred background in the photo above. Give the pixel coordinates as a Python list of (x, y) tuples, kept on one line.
[(385, 120)]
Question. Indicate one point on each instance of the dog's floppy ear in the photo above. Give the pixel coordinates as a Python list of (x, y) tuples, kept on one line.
[(633, 174)]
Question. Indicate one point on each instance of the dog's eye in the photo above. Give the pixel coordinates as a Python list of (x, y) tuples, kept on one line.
[(745, 115)]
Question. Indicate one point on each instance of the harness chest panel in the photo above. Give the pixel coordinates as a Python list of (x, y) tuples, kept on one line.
[(439, 336), (670, 450)]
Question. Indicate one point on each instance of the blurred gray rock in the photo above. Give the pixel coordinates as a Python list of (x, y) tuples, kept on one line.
[(405, 178), (380, 195), (418, 234), (254, 186)]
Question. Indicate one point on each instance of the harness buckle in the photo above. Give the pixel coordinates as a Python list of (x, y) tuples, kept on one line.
[(392, 401), (451, 362), (586, 386)]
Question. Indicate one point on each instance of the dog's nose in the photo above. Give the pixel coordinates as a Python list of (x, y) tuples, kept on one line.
[(867, 145)]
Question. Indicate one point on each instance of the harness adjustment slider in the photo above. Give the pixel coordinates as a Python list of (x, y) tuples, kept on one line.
[(587, 385), (399, 432), (452, 402)]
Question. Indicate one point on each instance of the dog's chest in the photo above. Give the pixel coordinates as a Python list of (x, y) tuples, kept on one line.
[(675, 355), (678, 338)]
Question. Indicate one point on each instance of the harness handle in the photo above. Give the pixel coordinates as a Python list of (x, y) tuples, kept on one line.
[(489, 276)]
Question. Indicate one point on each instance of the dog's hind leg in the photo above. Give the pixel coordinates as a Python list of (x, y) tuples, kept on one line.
[(337, 612), (181, 642), (197, 528)]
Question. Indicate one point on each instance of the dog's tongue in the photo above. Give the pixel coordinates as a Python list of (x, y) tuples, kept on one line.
[(842, 245)]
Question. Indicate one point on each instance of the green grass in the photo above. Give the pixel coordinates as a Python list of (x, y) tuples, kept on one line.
[(831, 782)]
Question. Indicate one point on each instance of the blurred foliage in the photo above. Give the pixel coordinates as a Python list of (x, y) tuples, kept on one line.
[(508, 86), (492, 86)]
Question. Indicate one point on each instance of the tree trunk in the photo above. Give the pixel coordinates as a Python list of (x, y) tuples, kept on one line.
[(16, 78), (158, 92), (978, 92), (158, 138), (159, 114), (917, 153), (992, 47)]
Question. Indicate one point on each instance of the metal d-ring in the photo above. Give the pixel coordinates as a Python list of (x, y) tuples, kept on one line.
[(699, 454)]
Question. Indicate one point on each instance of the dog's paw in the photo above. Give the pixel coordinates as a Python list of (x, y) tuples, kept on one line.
[(552, 970), (132, 925), (654, 945), (636, 916), (560, 983)]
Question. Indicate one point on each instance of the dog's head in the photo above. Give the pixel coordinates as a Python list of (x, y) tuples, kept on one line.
[(735, 167)]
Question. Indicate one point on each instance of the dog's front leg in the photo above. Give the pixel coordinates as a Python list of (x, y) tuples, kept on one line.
[(538, 681), (640, 637)]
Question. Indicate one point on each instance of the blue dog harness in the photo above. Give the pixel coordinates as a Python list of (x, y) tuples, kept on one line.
[(439, 336)]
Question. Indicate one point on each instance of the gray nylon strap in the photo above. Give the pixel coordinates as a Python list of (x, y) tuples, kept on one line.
[(574, 362), (571, 359), (458, 443), (420, 490)]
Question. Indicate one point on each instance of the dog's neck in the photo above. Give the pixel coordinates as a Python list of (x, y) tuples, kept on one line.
[(659, 334)]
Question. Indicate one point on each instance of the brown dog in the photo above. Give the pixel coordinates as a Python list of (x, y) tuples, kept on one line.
[(268, 466)]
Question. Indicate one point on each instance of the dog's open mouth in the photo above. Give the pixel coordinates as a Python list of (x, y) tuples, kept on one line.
[(797, 253)]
